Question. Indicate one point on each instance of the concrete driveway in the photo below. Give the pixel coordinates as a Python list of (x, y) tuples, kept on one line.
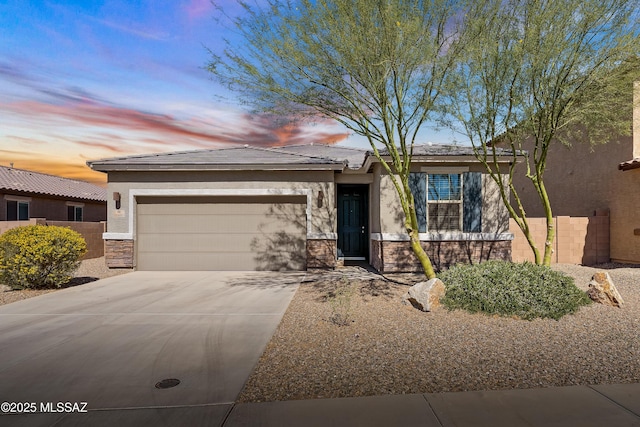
[(108, 343)]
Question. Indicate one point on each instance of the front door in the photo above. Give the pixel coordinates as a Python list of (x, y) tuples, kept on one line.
[(353, 227)]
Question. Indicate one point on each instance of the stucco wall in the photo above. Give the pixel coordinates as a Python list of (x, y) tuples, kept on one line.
[(579, 240), (579, 179), (323, 217), (625, 218), (495, 217)]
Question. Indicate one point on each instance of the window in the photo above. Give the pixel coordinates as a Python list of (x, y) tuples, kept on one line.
[(448, 201), (17, 210), (74, 213), (444, 202)]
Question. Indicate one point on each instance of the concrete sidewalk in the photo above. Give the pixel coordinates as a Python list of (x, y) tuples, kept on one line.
[(603, 405), (584, 406)]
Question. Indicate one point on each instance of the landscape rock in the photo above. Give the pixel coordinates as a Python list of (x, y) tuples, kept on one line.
[(603, 291), (425, 296)]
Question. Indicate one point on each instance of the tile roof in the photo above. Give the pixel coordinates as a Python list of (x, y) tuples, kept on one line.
[(353, 156), (447, 150), (25, 181), (234, 156), (306, 155), (631, 164)]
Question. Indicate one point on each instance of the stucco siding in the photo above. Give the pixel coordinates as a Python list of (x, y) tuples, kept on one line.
[(579, 179), (127, 183), (391, 213), (495, 217), (625, 218), (374, 200)]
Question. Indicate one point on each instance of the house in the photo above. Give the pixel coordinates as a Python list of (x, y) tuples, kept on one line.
[(297, 207), (26, 194), (582, 180)]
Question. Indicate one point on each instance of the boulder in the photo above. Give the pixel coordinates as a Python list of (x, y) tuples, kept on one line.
[(603, 291), (425, 296)]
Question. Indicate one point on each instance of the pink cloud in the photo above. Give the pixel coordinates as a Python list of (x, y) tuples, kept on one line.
[(198, 8), (168, 130), (46, 139), (102, 145)]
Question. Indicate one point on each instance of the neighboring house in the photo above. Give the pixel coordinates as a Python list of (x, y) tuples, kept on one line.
[(582, 179), (27, 194), (625, 211), (297, 207)]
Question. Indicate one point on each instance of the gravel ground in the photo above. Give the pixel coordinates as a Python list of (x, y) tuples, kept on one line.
[(389, 348), (90, 270)]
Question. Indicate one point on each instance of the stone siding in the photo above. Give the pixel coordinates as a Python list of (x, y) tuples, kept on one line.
[(118, 253), (397, 256), (321, 253)]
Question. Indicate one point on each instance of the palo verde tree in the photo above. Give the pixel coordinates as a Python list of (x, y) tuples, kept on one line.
[(543, 72), (376, 66)]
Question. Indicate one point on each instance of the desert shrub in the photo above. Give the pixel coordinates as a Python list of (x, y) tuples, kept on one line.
[(526, 290), (38, 256), (340, 302)]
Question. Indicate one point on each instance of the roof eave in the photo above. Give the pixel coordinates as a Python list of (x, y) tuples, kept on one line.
[(192, 167), (21, 192), (470, 159)]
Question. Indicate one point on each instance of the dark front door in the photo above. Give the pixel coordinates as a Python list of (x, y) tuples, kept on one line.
[(353, 227)]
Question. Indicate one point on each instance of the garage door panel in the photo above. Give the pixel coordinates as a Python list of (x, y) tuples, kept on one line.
[(229, 261), (231, 242), (176, 224), (283, 209), (229, 233)]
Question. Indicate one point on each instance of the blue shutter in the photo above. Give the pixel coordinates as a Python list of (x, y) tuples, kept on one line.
[(472, 202), (418, 186)]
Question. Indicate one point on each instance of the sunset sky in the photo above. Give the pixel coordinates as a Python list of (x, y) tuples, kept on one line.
[(84, 80)]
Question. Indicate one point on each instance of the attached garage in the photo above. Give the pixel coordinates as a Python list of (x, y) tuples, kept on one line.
[(221, 233)]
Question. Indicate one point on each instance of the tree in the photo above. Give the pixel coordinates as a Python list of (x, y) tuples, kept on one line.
[(542, 72), (376, 66)]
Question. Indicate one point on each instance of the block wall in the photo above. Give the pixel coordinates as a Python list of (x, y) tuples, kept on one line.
[(579, 240)]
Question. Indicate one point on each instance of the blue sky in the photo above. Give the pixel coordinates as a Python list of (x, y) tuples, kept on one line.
[(82, 80)]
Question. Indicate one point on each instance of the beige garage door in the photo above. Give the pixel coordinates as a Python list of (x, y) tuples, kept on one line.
[(221, 233)]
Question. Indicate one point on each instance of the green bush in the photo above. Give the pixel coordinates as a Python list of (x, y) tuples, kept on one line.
[(526, 291), (38, 256)]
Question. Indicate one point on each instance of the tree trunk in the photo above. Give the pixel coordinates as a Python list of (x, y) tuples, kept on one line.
[(421, 254), (551, 232)]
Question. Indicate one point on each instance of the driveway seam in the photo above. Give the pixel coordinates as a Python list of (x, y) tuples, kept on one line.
[(611, 400), (424, 396), (133, 408), (228, 414)]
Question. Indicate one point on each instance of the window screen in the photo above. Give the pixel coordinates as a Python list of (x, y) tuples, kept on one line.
[(444, 202)]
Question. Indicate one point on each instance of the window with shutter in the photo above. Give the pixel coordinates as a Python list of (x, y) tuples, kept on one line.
[(418, 186), (444, 202), (448, 202)]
